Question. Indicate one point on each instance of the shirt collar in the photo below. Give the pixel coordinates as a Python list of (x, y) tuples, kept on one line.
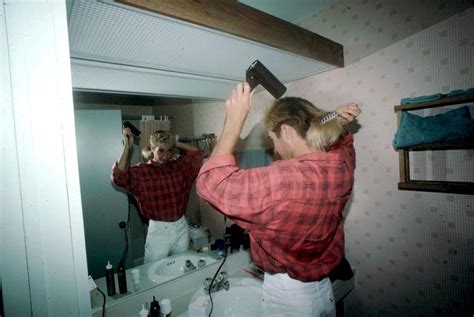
[(317, 156)]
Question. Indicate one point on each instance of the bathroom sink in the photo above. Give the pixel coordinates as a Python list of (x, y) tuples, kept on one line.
[(241, 300), (179, 264)]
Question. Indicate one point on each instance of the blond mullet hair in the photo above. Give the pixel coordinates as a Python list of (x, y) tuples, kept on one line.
[(304, 117), (158, 138)]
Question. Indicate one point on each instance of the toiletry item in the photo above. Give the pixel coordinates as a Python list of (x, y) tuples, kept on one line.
[(110, 279), (227, 236), (199, 236), (143, 312), (122, 278), (155, 308), (236, 236), (220, 246), (246, 240), (136, 279), (165, 307)]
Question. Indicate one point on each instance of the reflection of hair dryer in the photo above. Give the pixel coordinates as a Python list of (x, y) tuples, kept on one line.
[(258, 74), (132, 128)]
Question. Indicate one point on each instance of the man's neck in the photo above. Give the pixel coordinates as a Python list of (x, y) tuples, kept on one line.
[(301, 148)]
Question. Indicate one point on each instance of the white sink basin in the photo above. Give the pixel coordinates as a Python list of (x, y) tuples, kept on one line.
[(241, 300), (175, 265)]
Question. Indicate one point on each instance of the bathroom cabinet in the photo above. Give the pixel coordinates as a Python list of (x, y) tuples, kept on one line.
[(406, 181)]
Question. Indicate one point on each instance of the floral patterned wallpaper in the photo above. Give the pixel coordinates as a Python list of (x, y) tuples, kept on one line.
[(413, 252)]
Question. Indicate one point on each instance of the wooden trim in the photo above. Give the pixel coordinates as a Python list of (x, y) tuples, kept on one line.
[(452, 145), (238, 19), (436, 103), (438, 186), (403, 159)]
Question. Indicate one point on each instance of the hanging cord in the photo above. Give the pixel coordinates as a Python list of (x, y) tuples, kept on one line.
[(125, 226), (103, 303), (217, 272), (212, 281)]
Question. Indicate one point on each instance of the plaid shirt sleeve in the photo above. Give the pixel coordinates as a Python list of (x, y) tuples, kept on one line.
[(121, 178), (241, 194)]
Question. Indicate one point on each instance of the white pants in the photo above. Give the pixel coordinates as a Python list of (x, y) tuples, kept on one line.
[(166, 238), (284, 296)]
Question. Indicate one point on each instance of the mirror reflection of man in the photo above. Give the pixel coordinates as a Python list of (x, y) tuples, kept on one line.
[(292, 208), (161, 187)]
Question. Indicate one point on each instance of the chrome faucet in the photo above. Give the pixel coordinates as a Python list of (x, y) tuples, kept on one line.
[(219, 283), (201, 263), (189, 266)]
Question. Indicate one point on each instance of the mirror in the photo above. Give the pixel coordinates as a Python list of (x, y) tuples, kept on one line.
[(99, 117)]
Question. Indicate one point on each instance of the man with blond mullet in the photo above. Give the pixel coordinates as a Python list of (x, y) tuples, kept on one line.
[(292, 208)]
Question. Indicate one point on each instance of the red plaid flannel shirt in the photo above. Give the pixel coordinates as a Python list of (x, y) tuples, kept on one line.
[(161, 191), (292, 209)]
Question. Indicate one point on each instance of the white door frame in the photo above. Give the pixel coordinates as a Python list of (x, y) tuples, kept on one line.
[(43, 258)]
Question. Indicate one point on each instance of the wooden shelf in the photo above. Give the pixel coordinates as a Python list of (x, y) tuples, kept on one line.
[(406, 183), (446, 101), (438, 186), (453, 145)]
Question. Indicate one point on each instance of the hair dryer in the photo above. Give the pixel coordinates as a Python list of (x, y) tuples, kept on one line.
[(132, 128), (258, 74)]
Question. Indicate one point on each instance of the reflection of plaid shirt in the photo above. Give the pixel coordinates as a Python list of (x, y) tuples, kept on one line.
[(162, 191), (292, 209)]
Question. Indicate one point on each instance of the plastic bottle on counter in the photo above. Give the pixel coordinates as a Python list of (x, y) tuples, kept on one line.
[(110, 279), (136, 279), (165, 308), (155, 310), (143, 312), (122, 279)]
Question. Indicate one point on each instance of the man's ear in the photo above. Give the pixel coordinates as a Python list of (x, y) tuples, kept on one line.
[(287, 132)]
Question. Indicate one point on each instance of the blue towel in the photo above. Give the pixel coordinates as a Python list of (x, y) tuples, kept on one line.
[(459, 92), (252, 158), (452, 125), (406, 101)]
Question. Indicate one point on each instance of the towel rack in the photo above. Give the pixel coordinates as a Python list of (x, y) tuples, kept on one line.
[(406, 183)]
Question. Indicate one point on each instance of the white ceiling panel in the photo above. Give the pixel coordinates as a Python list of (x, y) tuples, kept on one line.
[(114, 34)]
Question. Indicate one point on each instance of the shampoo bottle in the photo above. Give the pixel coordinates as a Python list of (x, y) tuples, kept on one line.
[(122, 278), (110, 279), (155, 308)]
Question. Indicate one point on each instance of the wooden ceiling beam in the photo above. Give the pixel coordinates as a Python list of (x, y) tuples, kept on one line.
[(238, 19)]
